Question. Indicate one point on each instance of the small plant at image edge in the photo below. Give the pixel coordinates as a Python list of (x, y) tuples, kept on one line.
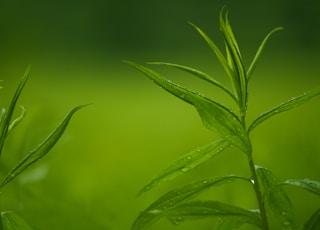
[(233, 130), (10, 220)]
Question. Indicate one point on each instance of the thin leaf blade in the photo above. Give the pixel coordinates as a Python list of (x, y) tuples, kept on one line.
[(4, 125), (11, 221), (187, 163), (290, 104), (199, 74), (313, 222), (259, 52), (234, 58), (42, 149), (277, 198), (158, 209), (214, 116), (212, 209), (223, 61), (307, 184)]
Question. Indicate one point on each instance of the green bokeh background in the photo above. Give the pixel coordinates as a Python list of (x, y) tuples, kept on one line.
[(134, 129)]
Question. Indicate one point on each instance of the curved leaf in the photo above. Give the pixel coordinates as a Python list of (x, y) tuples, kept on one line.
[(41, 150), (158, 208), (223, 61), (188, 162), (234, 58), (259, 51), (277, 198), (199, 74), (6, 116), (290, 104), (11, 221), (212, 209), (313, 222), (309, 185), (16, 121), (214, 116)]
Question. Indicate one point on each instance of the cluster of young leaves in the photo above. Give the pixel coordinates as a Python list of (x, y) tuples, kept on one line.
[(231, 126), (9, 220)]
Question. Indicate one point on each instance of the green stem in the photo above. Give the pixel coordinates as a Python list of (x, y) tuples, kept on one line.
[(257, 189)]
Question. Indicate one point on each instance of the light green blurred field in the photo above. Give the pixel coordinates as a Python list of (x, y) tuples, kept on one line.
[(134, 129)]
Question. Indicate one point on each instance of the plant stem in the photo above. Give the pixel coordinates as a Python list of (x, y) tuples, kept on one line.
[(257, 189)]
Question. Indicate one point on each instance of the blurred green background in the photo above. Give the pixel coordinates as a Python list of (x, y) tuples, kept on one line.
[(134, 129)]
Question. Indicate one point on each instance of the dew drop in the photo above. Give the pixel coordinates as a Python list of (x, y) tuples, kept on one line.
[(185, 169), (286, 223), (283, 213), (205, 182), (155, 211), (252, 181)]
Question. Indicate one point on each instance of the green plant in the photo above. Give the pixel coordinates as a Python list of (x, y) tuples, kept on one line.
[(231, 126), (9, 220)]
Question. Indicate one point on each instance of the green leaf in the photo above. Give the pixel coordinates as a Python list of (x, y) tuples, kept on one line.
[(17, 120), (11, 221), (227, 224), (277, 198), (212, 209), (290, 104), (188, 162), (199, 74), (309, 185), (6, 116), (42, 149), (214, 116), (234, 59), (158, 208), (259, 51), (223, 61), (313, 222)]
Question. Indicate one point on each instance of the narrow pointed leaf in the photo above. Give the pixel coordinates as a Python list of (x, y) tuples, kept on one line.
[(41, 150), (188, 162), (290, 104), (11, 221), (214, 116), (8, 115), (309, 185), (199, 74), (277, 198), (234, 58), (313, 222), (223, 61), (259, 51), (158, 209), (212, 209), (16, 121)]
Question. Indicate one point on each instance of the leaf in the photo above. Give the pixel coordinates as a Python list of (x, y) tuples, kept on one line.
[(158, 208), (313, 222), (234, 58), (290, 104), (212, 209), (259, 51), (309, 185), (199, 74), (6, 116), (214, 116), (277, 198), (227, 224), (188, 162), (11, 221), (42, 149), (223, 61), (17, 120)]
